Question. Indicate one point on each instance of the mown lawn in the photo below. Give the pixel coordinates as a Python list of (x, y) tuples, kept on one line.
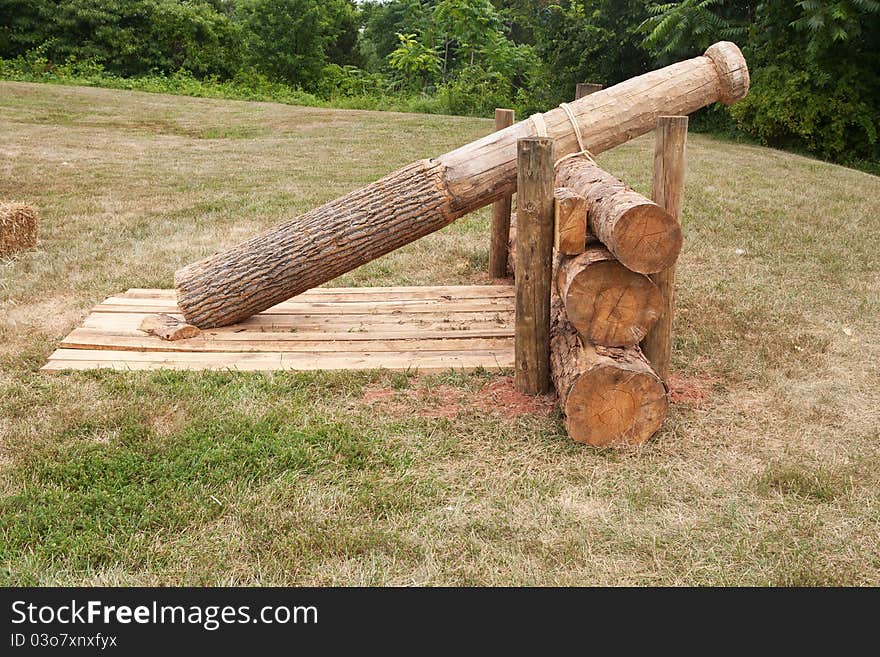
[(766, 472)]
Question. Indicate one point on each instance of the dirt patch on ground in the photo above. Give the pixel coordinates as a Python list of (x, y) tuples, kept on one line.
[(502, 397), (690, 390), (498, 396)]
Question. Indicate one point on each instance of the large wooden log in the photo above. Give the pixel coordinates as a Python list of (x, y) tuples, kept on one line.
[(427, 195), (640, 233), (607, 303), (608, 396)]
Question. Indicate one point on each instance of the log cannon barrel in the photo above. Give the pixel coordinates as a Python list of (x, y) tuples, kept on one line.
[(427, 195)]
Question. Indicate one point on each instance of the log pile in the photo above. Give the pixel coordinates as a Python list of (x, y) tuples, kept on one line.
[(606, 240), (601, 310)]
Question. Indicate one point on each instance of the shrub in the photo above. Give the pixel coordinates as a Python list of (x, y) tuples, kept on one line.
[(347, 81), (475, 92), (829, 116)]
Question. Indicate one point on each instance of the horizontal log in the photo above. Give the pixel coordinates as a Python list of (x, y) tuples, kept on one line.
[(641, 234), (608, 396), (606, 303)]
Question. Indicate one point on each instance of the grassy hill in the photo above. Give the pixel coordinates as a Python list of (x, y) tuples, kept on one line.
[(767, 471)]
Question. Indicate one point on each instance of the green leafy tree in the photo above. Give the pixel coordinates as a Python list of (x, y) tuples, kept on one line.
[(815, 79), (383, 21), (590, 41), (677, 30), (813, 64), (418, 64), (469, 24), (129, 37), (288, 40)]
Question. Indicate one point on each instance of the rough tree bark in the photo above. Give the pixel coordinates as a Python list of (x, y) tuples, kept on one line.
[(607, 303), (427, 195), (608, 396)]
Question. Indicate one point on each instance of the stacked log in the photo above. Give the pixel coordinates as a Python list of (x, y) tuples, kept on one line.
[(641, 235), (601, 309), (608, 395), (606, 303)]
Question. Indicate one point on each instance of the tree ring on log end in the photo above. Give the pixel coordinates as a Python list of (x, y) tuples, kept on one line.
[(647, 239), (611, 406), (610, 305)]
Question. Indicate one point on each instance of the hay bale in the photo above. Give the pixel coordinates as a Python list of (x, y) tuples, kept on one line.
[(18, 227)]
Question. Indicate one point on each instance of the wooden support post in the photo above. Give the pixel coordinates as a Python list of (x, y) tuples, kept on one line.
[(668, 193), (585, 89), (534, 253), (500, 213)]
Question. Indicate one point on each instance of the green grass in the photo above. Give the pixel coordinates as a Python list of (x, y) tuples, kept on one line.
[(244, 87), (769, 476)]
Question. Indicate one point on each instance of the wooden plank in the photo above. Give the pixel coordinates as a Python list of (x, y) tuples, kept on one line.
[(343, 294), (118, 304), (534, 252), (314, 337), (569, 221), (82, 338), (349, 324), (250, 361)]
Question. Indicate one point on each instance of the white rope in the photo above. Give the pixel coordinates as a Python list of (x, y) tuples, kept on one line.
[(540, 126), (577, 133), (541, 131)]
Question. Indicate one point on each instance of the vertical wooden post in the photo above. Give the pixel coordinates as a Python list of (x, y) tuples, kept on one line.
[(534, 253), (500, 214), (585, 89), (668, 193)]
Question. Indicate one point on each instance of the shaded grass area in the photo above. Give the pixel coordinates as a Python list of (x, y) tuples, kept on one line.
[(770, 477)]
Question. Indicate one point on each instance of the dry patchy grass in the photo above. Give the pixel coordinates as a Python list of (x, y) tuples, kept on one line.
[(765, 473)]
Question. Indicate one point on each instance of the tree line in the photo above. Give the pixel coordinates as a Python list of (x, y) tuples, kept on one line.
[(815, 78)]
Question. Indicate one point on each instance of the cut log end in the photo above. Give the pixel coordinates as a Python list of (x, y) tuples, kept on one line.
[(733, 72), (609, 396), (167, 327), (647, 239), (570, 221), (607, 303), (620, 401)]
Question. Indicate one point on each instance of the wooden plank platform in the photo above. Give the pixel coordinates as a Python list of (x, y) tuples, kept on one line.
[(427, 329)]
